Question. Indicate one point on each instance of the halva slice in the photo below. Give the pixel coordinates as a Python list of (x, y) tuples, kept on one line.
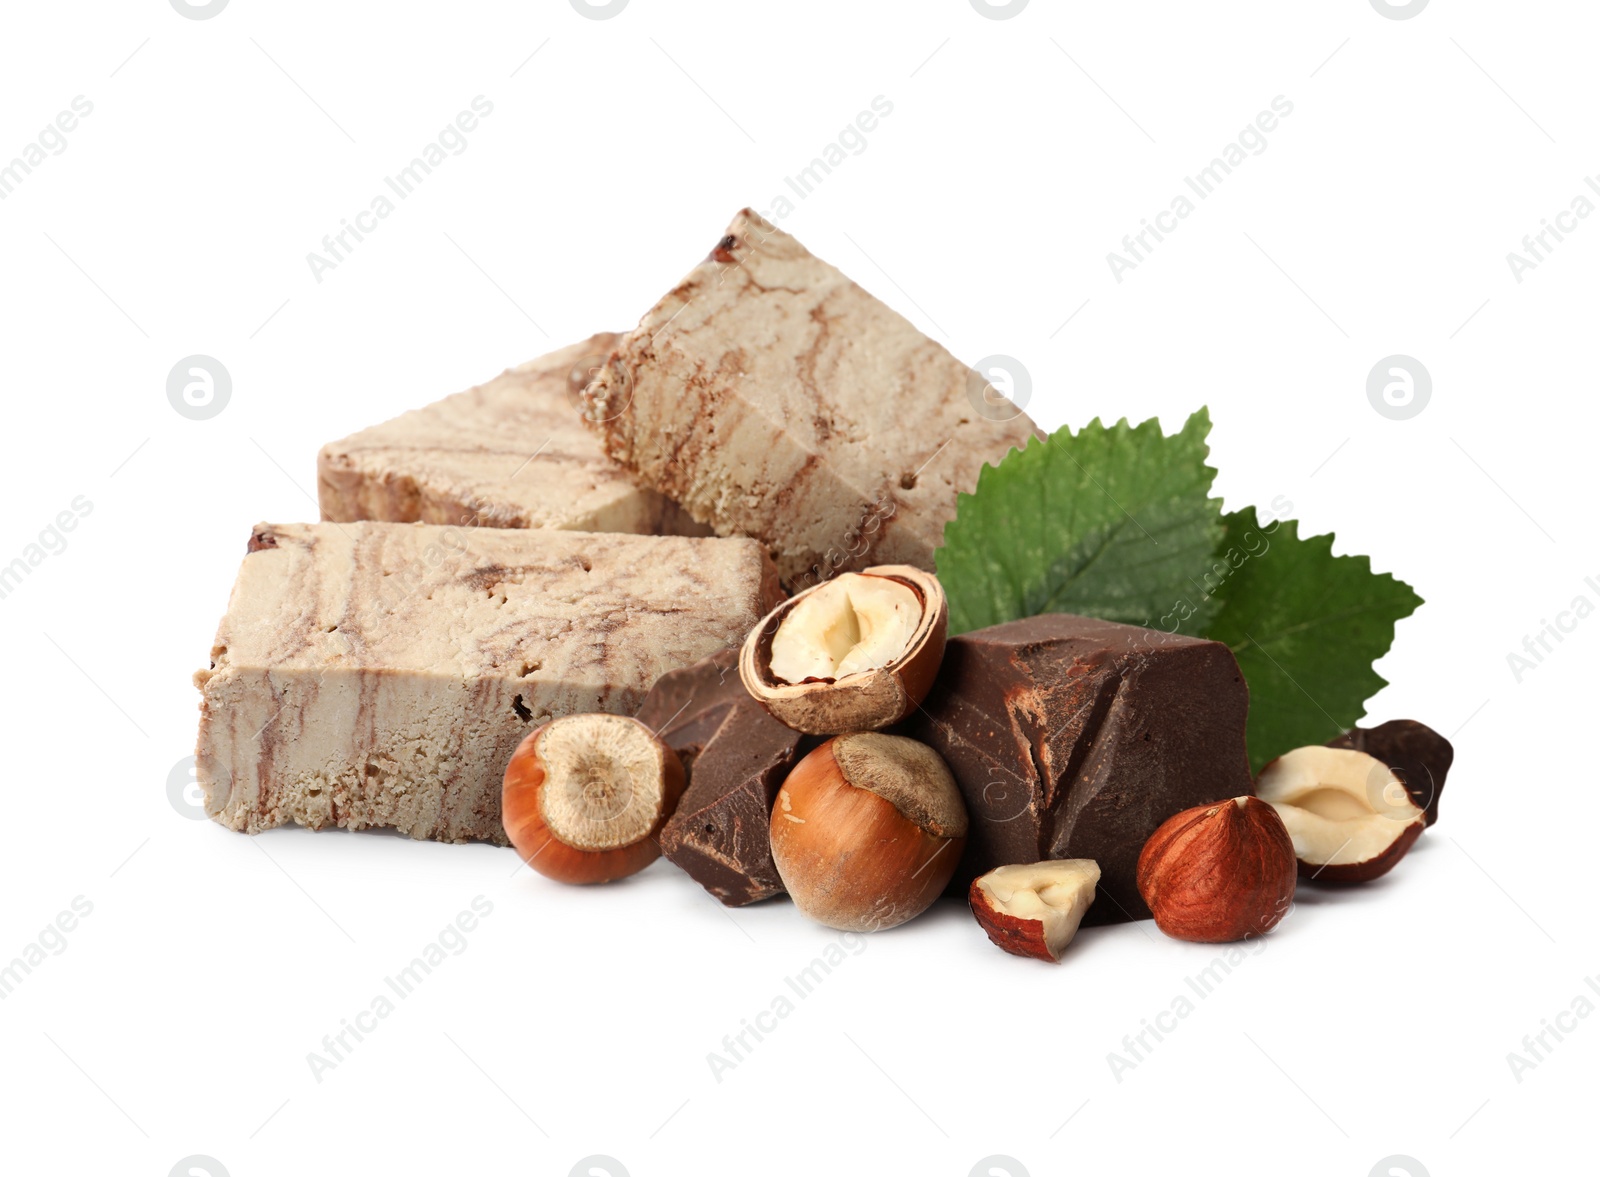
[(510, 453), (771, 396), (381, 674)]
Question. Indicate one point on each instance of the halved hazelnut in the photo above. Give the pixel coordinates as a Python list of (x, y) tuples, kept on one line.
[(1350, 817), (1414, 752), (867, 831), (1034, 909), (1219, 872), (855, 653), (586, 796)]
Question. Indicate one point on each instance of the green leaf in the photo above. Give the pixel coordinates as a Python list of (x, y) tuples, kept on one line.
[(1113, 522), (1306, 626)]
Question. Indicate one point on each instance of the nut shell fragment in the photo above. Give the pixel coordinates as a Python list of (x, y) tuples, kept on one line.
[(867, 700)]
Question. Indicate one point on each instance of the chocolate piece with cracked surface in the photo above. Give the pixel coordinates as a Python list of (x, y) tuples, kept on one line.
[(1073, 737), (381, 674), (771, 396), (736, 756)]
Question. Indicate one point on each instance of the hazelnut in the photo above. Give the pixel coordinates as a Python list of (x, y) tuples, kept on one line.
[(867, 830), (855, 653), (586, 796), (1034, 909), (1414, 752), (1218, 872), (1349, 816)]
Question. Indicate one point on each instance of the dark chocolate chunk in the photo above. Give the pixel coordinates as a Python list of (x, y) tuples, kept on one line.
[(1073, 737), (1414, 752), (736, 756)]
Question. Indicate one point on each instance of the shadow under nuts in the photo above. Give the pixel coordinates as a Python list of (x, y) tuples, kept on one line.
[(867, 831)]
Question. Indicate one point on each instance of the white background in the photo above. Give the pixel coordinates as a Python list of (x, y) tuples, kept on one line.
[(178, 1018)]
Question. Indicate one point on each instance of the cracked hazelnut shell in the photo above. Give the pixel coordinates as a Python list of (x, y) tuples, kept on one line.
[(1350, 817), (1218, 873), (866, 831), (585, 797), (863, 700)]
